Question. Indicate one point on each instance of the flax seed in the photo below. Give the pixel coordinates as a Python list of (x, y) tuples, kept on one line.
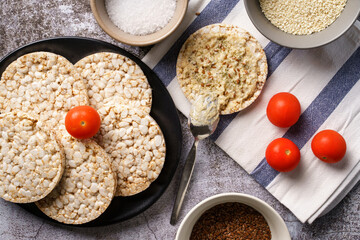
[(231, 220)]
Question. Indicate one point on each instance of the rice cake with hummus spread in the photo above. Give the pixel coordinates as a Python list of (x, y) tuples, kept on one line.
[(114, 79), (32, 160), (136, 145), (225, 60), (87, 186)]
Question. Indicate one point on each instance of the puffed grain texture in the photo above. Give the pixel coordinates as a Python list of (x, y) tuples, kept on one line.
[(113, 79), (136, 145), (42, 84), (87, 186), (32, 160)]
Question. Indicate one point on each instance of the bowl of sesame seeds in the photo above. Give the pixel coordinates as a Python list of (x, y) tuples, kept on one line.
[(302, 24), (139, 23), (232, 216)]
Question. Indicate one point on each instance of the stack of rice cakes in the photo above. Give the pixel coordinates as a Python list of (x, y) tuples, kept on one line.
[(46, 86), (37, 90), (128, 134)]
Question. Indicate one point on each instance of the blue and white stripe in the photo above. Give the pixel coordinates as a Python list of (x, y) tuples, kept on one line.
[(323, 79), (316, 114)]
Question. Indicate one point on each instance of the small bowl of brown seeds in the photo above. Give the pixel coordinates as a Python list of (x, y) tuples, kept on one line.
[(232, 216), (302, 24)]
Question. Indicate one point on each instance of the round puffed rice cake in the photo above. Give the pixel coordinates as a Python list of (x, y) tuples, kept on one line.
[(136, 145), (32, 161), (47, 86), (42, 84), (87, 186), (114, 79), (225, 60)]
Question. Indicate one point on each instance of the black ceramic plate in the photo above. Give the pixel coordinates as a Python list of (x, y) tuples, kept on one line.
[(163, 111)]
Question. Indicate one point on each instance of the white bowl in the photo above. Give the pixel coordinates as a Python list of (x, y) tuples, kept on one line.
[(103, 19), (335, 30), (276, 223)]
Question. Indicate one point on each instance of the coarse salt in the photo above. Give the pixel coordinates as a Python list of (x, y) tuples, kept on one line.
[(140, 17)]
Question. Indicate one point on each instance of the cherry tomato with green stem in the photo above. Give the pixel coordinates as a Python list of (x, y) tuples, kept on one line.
[(329, 146), (282, 154)]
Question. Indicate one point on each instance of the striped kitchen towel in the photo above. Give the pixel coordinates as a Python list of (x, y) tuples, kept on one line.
[(324, 79)]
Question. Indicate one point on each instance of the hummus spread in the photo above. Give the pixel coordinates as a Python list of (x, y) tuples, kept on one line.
[(204, 111)]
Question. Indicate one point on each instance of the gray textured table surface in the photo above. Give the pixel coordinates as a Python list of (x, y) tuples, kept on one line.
[(24, 21)]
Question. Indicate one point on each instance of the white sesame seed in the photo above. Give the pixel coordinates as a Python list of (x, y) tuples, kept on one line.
[(302, 17)]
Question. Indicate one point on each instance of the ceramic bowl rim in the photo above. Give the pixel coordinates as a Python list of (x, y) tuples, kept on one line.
[(272, 217), (102, 18), (335, 30)]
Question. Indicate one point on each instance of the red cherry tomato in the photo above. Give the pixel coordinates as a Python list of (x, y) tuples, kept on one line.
[(283, 109), (282, 155), (329, 146), (82, 122)]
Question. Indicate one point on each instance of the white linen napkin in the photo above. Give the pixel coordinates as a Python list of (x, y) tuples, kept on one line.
[(325, 80)]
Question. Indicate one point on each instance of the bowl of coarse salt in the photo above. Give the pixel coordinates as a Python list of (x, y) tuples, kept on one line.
[(302, 24), (139, 22), (234, 216)]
